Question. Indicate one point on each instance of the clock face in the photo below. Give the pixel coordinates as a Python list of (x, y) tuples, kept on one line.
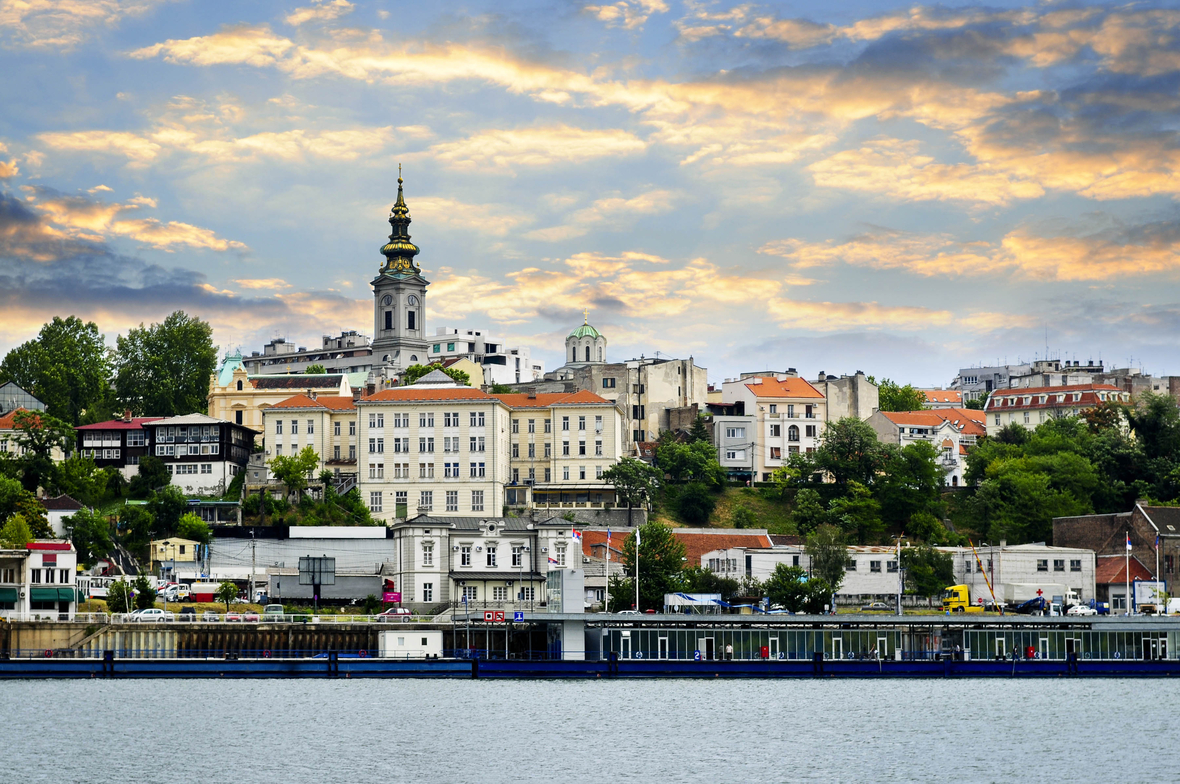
[(387, 300), (413, 300)]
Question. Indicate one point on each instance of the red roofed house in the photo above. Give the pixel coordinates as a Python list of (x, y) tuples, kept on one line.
[(933, 427), (1110, 578), (117, 442), (789, 416), (943, 398), (1030, 407), (9, 433), (326, 423)]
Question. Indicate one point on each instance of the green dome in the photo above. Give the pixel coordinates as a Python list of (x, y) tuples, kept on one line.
[(585, 331)]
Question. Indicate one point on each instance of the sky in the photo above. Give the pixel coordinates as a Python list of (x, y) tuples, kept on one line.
[(889, 187)]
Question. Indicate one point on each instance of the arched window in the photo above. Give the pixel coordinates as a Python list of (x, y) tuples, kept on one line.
[(574, 354), (587, 353), (954, 481), (793, 433), (239, 386), (600, 353)]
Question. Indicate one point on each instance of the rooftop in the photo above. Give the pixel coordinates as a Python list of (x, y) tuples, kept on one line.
[(769, 386), (135, 423), (333, 403), (297, 381), (1113, 569), (942, 395), (546, 399)]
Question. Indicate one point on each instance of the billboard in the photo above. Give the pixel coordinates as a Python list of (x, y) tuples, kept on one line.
[(1149, 592)]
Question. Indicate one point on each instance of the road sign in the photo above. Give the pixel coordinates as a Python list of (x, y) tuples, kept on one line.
[(499, 616), (518, 616), (489, 616)]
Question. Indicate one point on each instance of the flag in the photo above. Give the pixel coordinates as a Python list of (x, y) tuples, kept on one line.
[(1128, 541), (1157, 541), (637, 538), (577, 535), (552, 560)]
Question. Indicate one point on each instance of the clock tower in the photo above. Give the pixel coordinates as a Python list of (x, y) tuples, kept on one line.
[(399, 299)]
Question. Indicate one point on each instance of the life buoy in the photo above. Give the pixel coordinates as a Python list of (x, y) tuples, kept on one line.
[(266, 654), (1118, 654), (48, 654), (362, 653)]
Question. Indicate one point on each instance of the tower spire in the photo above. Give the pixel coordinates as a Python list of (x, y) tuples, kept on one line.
[(399, 252)]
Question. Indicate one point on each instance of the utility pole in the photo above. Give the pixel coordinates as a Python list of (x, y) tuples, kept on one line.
[(253, 561), (900, 578), (637, 570)]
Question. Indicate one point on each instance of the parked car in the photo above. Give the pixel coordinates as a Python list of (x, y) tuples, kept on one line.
[(1081, 609), (188, 614), (628, 612), (210, 617), (233, 616), (394, 614), (250, 616), (273, 612), (152, 615), (877, 607)]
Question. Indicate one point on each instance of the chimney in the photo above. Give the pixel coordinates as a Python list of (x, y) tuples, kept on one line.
[(532, 393)]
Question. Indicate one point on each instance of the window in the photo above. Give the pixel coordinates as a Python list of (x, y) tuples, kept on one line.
[(774, 408), (565, 473), (515, 475), (582, 448), (548, 478), (278, 449), (793, 433), (428, 553), (278, 427), (490, 550), (735, 432), (437, 348), (776, 431), (450, 470), (135, 438), (548, 449), (516, 450), (399, 420), (477, 419), (401, 497), (352, 428), (790, 410), (426, 470), (565, 448), (428, 592), (516, 426), (499, 593), (452, 500), (477, 500), (598, 449), (481, 445), (352, 451), (526, 593), (598, 424), (548, 427), (581, 423), (426, 444), (375, 500), (471, 593), (891, 567), (598, 472), (1042, 565), (532, 425), (875, 566), (426, 497), (1059, 564), (335, 428), (206, 468), (411, 319), (810, 431), (581, 472), (850, 565), (310, 427), (238, 415), (776, 453), (465, 555), (517, 556), (608, 383), (560, 554), (401, 445), (451, 420), (426, 420), (376, 470), (532, 451), (565, 423)]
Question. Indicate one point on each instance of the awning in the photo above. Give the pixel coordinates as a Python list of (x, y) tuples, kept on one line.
[(8, 595), (65, 594), (43, 594)]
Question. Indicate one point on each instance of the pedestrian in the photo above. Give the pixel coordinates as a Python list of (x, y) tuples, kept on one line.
[(729, 651)]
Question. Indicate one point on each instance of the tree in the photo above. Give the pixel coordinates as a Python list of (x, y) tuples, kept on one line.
[(226, 592), (163, 370), (661, 559), (699, 431), (65, 366), (191, 526), (849, 450), (15, 500), (295, 470), (15, 534), (415, 372), (633, 481), (315, 370), (697, 579), (136, 523), (696, 504), (166, 507), (371, 604), (119, 597), (151, 476), (1155, 420), (90, 534), (977, 403), (743, 517), (893, 397), (39, 436), (911, 481), (825, 547), (145, 594), (809, 512), (927, 571), (790, 588), (858, 513), (696, 461), (78, 477)]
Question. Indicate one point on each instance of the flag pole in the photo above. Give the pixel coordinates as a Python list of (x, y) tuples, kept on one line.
[(1127, 572), (636, 570), (606, 605)]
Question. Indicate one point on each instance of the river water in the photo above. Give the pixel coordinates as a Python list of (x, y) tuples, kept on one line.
[(242, 732)]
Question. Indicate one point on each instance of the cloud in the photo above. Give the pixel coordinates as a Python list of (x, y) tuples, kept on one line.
[(495, 220), (8, 170), (536, 147), (628, 14), (320, 11), (615, 212), (63, 24), (261, 283), (843, 316)]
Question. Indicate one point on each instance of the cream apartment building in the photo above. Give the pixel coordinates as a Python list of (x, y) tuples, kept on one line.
[(327, 424), (789, 415)]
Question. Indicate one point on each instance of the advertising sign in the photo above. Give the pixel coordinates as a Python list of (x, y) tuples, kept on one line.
[(391, 597)]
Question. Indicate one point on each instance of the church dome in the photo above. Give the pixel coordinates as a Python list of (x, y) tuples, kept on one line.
[(584, 331)]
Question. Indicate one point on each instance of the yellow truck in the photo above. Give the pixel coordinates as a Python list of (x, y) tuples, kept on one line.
[(957, 598)]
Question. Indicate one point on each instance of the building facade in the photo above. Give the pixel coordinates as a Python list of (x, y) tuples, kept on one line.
[(909, 427), (117, 443), (10, 436), (348, 352), (499, 363), (789, 413), (1032, 406), (38, 581), (13, 397), (734, 437), (202, 453), (327, 424)]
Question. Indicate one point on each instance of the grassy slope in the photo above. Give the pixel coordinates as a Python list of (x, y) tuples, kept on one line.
[(771, 515)]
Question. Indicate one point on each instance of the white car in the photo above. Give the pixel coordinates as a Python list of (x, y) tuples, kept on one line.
[(1081, 609), (152, 615)]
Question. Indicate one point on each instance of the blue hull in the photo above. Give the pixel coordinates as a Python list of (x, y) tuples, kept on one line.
[(449, 668)]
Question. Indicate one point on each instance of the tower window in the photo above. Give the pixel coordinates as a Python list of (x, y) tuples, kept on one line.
[(410, 319), (389, 319), (587, 353), (574, 354), (239, 386)]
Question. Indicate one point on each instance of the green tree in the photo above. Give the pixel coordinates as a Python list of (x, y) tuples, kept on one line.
[(1014, 434), (928, 572), (808, 512), (858, 514), (295, 470), (163, 370), (226, 592), (136, 523), (696, 504), (699, 432), (371, 604), (849, 451), (787, 587), (620, 594), (166, 507), (661, 559), (65, 366), (39, 436), (911, 481), (15, 500), (191, 526), (743, 517), (1155, 421), (696, 461), (825, 547), (119, 597), (633, 481), (977, 403), (415, 372), (15, 534), (893, 397), (90, 534), (145, 594), (315, 370), (78, 477), (152, 475), (925, 527), (697, 579)]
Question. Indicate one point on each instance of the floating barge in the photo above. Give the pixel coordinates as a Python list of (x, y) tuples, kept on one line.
[(606, 646)]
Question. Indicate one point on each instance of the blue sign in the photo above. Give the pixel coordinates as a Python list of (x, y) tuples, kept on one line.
[(518, 616), (696, 655)]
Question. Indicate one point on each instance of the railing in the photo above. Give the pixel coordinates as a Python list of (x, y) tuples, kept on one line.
[(242, 616)]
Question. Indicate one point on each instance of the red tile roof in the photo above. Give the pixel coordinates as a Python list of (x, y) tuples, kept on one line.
[(970, 421), (8, 421), (61, 502), (334, 403), (1111, 569), (337, 403), (1088, 397), (915, 418), (942, 395), (546, 399), (136, 423), (697, 544), (411, 394), (788, 387)]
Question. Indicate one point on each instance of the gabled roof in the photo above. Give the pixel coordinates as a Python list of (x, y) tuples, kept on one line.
[(193, 419), (63, 502), (8, 421), (697, 542), (546, 399), (135, 423), (426, 395), (1088, 395), (787, 387), (1111, 569), (298, 401), (914, 418), (942, 395), (334, 403)]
